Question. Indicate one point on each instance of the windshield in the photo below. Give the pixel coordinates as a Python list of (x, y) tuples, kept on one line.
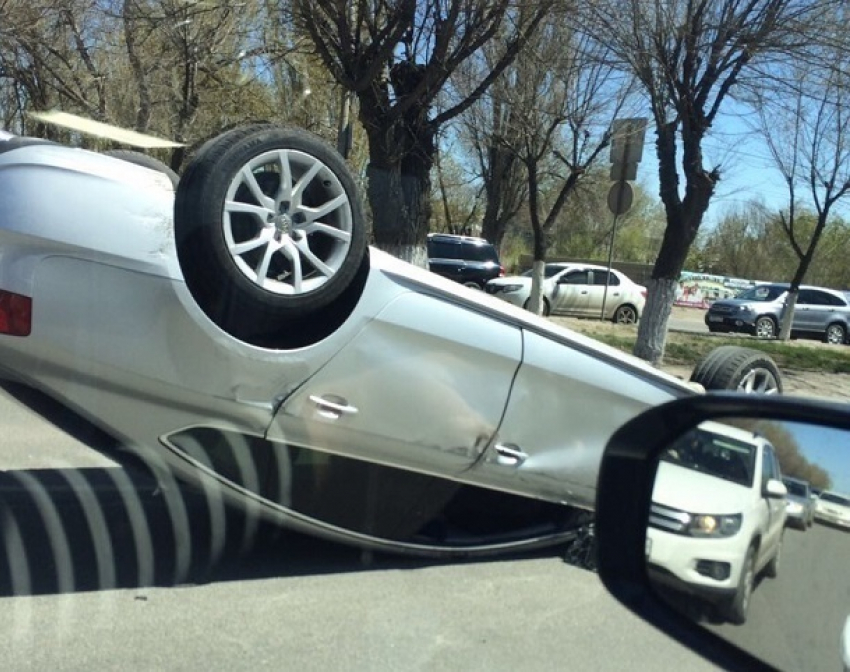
[(762, 293), (548, 272), (714, 454), (796, 488), (833, 498)]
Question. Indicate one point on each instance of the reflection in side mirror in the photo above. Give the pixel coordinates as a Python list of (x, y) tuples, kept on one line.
[(747, 556)]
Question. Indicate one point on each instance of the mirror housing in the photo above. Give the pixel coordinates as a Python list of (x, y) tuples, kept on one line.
[(624, 496), (775, 489)]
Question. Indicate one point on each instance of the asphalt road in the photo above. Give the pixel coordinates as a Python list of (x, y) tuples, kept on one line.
[(102, 568), (795, 620)]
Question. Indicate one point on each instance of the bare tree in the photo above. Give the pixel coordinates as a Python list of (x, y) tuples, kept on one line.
[(807, 128), (689, 55), (397, 57), (563, 102), (489, 130)]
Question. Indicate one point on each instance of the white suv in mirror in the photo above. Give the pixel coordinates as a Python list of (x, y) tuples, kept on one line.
[(717, 517)]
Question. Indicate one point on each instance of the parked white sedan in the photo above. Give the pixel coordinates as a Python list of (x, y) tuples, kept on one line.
[(577, 290)]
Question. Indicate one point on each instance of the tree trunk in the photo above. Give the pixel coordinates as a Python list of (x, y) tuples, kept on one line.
[(401, 210), (788, 313), (535, 299), (402, 151), (652, 332)]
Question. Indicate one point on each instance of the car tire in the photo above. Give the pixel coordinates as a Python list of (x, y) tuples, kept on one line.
[(254, 254), (544, 311), (625, 314), (765, 327), (771, 569), (738, 606), (835, 334), (472, 285), (140, 159), (731, 367)]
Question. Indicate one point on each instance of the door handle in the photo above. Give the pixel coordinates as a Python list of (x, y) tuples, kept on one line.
[(509, 454), (332, 407)]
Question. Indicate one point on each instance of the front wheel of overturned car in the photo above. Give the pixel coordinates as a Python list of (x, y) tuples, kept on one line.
[(731, 367), (271, 235)]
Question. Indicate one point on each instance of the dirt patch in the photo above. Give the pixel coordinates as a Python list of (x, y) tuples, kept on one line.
[(833, 386)]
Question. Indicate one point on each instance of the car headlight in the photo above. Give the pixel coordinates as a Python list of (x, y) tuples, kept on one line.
[(711, 525), (794, 507), (510, 288)]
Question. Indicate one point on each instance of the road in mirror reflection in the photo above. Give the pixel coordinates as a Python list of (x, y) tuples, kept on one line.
[(749, 535)]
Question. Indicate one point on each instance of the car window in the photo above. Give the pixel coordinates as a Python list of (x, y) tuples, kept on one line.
[(548, 271), (598, 278), (834, 498), (818, 298), (768, 470), (762, 293), (796, 488), (575, 278), (442, 249), (479, 252), (714, 454)]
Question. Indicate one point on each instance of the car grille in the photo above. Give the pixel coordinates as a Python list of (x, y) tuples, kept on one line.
[(670, 520), (725, 310), (491, 289)]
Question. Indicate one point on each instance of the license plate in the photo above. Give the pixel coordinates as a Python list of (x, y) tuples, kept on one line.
[(714, 318)]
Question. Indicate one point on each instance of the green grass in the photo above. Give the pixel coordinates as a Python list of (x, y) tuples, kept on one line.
[(687, 350)]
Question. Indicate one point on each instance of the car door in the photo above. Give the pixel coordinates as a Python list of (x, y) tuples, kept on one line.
[(444, 258), (422, 387), (814, 311), (612, 299), (564, 405), (571, 293)]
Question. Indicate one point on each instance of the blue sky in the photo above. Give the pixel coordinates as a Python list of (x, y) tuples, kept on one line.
[(747, 169), (829, 449)]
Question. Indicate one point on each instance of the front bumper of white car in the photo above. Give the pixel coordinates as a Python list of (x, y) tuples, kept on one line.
[(709, 568)]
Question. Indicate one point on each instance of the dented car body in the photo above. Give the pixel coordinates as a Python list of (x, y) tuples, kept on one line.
[(408, 413)]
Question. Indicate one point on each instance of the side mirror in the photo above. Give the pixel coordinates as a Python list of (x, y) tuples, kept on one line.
[(686, 540), (775, 489)]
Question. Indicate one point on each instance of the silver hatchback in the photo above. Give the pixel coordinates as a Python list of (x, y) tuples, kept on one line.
[(820, 313)]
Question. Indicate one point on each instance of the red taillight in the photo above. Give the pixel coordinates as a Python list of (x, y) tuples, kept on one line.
[(501, 271), (15, 314)]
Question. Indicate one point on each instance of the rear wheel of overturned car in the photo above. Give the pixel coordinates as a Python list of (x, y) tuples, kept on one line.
[(625, 315), (731, 367), (271, 235), (737, 607)]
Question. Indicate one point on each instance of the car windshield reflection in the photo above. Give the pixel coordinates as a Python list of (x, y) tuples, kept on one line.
[(714, 454)]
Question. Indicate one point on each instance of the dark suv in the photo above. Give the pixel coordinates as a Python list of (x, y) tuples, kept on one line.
[(464, 259)]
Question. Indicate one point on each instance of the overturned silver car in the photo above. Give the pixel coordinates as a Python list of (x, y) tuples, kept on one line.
[(237, 331)]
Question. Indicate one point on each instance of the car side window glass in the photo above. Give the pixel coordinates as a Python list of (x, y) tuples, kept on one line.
[(438, 249), (575, 278), (767, 470), (599, 278)]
